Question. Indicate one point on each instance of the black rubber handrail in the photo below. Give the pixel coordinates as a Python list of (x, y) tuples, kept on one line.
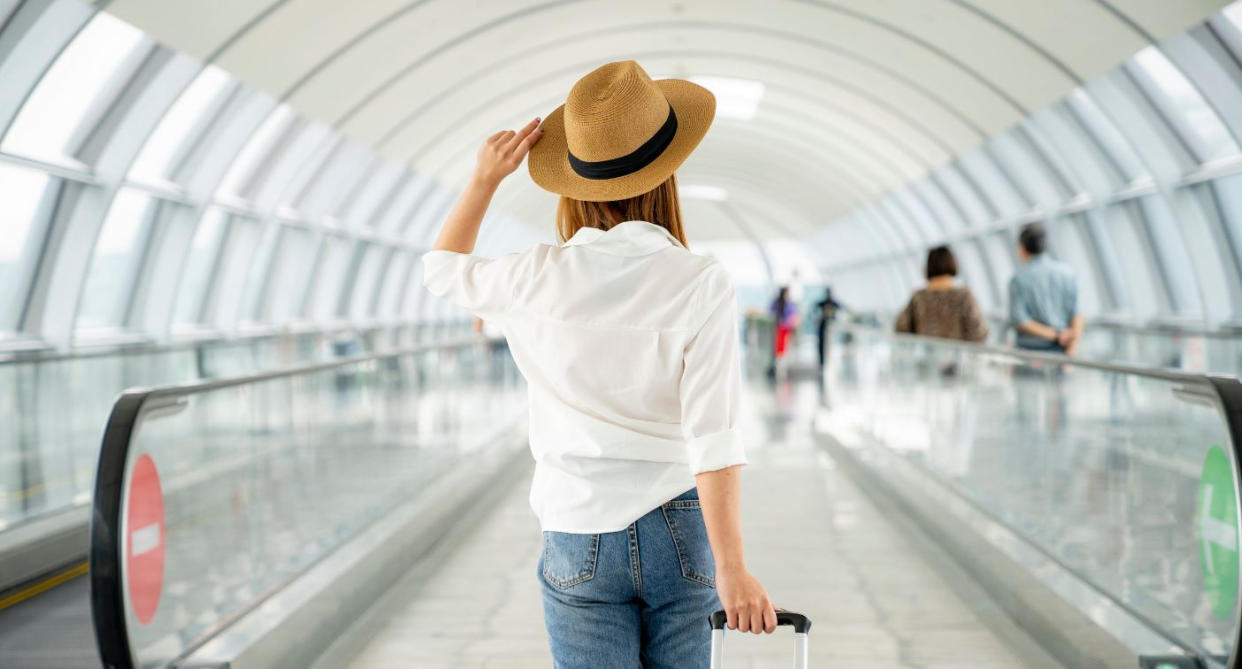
[(1230, 393), (105, 552)]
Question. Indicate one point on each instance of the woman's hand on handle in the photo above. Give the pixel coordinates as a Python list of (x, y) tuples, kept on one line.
[(501, 154), (746, 604)]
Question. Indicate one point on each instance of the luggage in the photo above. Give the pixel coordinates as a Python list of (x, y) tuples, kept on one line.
[(800, 623)]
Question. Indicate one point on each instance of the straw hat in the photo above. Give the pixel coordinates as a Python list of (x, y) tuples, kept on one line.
[(619, 134)]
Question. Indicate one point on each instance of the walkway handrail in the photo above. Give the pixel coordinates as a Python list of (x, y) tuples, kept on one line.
[(1025, 355), (106, 551), (137, 345), (1219, 392)]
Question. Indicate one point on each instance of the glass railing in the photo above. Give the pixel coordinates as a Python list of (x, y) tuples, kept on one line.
[(1183, 349), (212, 496), (1126, 477), (53, 407), (1165, 346)]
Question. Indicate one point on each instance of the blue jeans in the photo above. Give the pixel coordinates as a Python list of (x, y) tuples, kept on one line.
[(637, 597)]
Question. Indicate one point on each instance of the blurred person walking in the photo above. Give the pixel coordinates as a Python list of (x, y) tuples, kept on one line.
[(1043, 298), (942, 308), (826, 309), (785, 320)]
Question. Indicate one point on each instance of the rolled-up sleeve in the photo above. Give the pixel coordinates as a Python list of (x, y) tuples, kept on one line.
[(711, 384), (484, 286)]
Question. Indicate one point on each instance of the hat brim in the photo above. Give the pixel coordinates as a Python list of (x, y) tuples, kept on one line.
[(548, 160)]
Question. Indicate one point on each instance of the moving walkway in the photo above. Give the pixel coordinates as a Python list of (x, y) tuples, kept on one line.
[(248, 521)]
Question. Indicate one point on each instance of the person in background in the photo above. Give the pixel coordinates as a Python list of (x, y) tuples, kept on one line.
[(943, 308), (828, 308), (785, 319), (1043, 298)]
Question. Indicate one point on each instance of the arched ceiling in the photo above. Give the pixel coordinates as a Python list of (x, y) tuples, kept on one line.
[(859, 95)]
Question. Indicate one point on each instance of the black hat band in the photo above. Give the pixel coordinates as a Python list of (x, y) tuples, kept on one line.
[(631, 162)]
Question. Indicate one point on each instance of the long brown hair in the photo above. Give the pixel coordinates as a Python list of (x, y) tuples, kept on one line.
[(659, 206)]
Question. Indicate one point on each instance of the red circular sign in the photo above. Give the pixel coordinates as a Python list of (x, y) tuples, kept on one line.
[(144, 541)]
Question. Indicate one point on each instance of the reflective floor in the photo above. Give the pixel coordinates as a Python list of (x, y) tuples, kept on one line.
[(879, 594)]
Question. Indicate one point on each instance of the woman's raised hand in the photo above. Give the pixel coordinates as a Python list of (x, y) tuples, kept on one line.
[(501, 154)]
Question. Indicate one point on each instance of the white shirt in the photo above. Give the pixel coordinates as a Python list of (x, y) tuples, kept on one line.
[(629, 346)]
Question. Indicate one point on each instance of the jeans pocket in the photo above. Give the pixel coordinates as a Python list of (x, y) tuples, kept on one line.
[(569, 559), (685, 523)]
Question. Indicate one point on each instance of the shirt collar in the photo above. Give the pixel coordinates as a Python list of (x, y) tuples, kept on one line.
[(630, 238)]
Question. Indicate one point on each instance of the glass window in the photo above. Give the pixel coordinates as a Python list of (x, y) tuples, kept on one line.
[(199, 265), (21, 191), (335, 180), (242, 172), (973, 275), (1195, 215), (257, 278), (243, 237), (177, 126), (396, 212), (88, 68), (950, 220), (414, 296), (1093, 172), (874, 224), (396, 280), (305, 146), (422, 224), (293, 261), (118, 249), (1137, 267), (1163, 154), (1170, 252), (329, 277), (1104, 259), (976, 212), (1233, 13), (1229, 195), (1039, 185), (367, 205), (373, 262), (999, 249), (1183, 107), (1066, 234), (1098, 126), (926, 220), (908, 233), (994, 183)]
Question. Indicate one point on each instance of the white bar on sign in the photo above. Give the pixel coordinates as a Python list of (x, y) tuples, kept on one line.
[(146, 538)]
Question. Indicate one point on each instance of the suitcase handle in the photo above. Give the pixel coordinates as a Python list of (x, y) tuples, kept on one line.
[(799, 622)]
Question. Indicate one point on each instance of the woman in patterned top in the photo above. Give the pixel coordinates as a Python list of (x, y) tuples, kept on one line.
[(943, 308)]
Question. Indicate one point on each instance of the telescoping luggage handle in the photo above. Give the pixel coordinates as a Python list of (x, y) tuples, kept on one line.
[(800, 623)]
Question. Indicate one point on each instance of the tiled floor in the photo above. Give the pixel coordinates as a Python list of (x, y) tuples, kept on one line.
[(819, 545)]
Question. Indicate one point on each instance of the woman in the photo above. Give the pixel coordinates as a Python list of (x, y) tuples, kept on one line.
[(629, 346), (785, 316), (942, 308)]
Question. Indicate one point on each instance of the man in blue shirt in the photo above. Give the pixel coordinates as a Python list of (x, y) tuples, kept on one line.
[(1043, 298)]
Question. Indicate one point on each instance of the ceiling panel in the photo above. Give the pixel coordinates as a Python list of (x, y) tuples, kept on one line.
[(860, 95)]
